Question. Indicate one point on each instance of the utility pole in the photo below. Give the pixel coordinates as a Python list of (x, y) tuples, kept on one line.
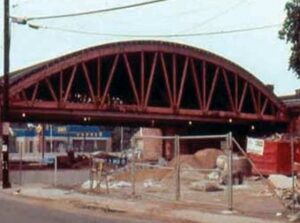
[(5, 125)]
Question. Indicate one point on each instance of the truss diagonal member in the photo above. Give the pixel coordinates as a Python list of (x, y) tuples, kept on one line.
[(70, 83), (174, 72), (233, 108), (149, 87), (108, 83), (204, 83), (262, 112), (243, 96), (98, 78), (213, 86), (236, 92), (142, 77), (182, 82), (50, 87), (23, 93), (88, 81), (254, 101), (166, 77), (196, 84), (33, 98), (132, 82)]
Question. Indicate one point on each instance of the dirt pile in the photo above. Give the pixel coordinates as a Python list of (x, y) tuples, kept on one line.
[(206, 158), (188, 160), (144, 174)]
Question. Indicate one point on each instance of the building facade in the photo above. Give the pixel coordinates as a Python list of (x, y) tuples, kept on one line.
[(60, 139)]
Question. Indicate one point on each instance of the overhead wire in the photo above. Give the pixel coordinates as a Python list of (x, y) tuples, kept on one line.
[(197, 34), (89, 12), (223, 12), (15, 5), (25, 21)]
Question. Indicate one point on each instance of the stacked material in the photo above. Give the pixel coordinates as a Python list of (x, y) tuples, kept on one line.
[(151, 148)]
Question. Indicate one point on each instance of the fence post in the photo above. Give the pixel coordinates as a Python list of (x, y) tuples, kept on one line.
[(133, 171), (55, 170), (229, 183), (91, 172), (21, 165), (177, 169)]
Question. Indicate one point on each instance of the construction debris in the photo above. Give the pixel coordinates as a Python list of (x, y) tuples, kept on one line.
[(151, 183), (281, 181), (214, 175), (112, 185), (205, 186)]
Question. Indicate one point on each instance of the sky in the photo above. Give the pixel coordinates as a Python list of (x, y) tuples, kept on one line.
[(260, 52)]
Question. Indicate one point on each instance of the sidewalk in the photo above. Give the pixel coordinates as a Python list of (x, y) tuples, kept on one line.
[(172, 211)]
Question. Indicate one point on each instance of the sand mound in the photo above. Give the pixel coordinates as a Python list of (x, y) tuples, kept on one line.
[(144, 174), (207, 157), (188, 160)]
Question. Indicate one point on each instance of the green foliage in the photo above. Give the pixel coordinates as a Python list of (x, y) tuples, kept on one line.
[(291, 33)]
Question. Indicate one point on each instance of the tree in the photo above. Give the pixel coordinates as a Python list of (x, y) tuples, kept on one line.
[(291, 33)]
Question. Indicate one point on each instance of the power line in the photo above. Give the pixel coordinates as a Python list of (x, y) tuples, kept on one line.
[(222, 32), (17, 4), (27, 19), (223, 12)]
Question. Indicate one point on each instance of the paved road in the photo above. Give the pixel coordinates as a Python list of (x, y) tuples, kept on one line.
[(14, 211)]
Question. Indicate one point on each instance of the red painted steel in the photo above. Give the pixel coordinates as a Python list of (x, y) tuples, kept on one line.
[(144, 78)]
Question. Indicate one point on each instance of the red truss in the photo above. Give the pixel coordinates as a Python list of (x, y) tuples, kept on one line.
[(141, 81)]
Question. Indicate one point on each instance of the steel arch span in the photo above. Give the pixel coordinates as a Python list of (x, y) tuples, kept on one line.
[(141, 81)]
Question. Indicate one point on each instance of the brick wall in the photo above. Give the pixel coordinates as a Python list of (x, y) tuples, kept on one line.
[(152, 148)]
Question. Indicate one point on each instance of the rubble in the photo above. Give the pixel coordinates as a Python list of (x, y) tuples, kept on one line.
[(214, 175), (237, 177), (119, 184), (281, 181), (112, 185), (151, 183), (205, 186), (87, 184)]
